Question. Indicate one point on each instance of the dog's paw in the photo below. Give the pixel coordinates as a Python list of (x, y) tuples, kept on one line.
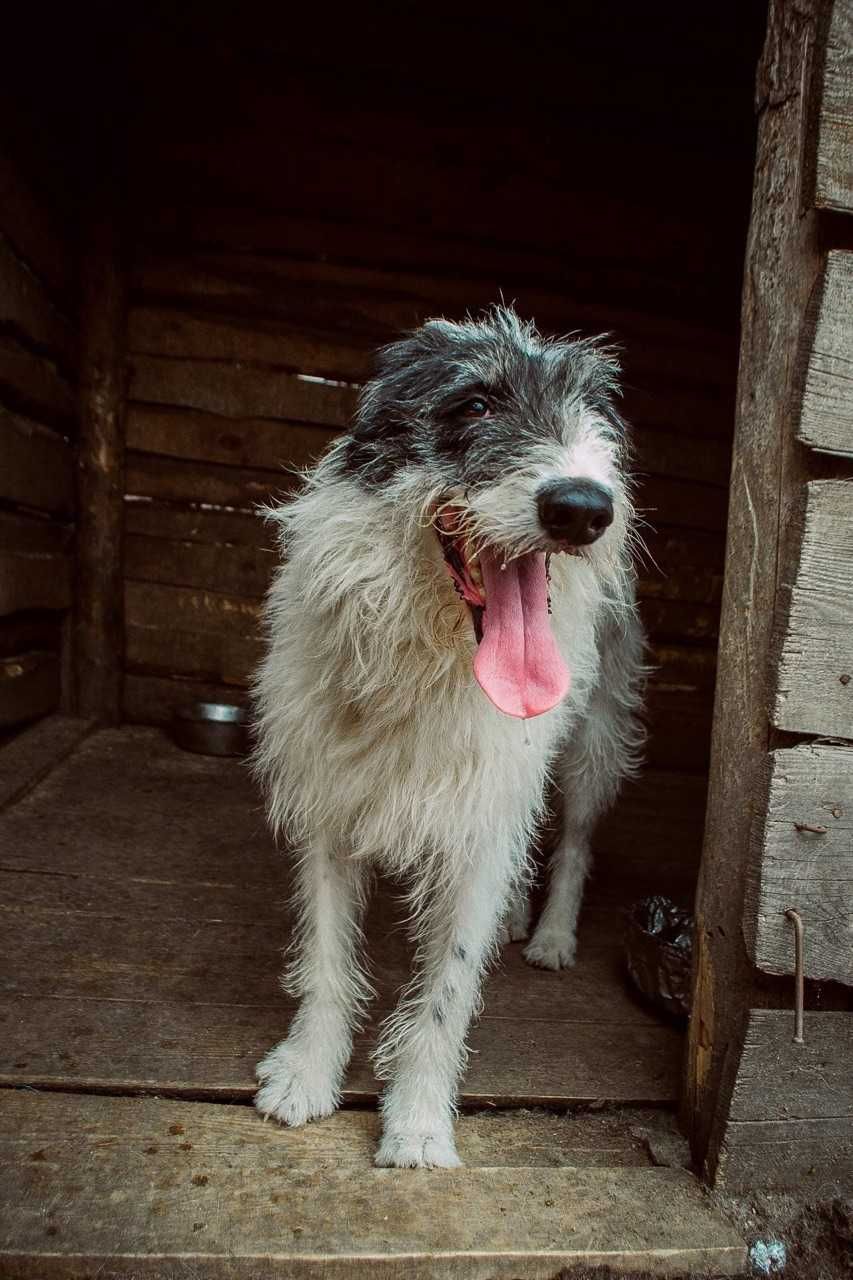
[(417, 1151), (290, 1091), (550, 949)]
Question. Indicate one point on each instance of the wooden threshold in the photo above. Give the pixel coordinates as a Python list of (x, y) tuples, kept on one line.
[(156, 1188)]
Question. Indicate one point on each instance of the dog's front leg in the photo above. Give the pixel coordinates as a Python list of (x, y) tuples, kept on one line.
[(301, 1077), (422, 1048)]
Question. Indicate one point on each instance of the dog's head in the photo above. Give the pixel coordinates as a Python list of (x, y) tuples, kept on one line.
[(511, 447)]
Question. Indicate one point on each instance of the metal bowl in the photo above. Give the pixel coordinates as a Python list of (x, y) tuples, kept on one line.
[(212, 728)]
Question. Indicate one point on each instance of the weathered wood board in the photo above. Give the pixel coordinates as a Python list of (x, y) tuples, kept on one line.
[(35, 751), (791, 1118), (814, 683), (35, 564), (36, 465), (834, 159), (215, 1191), (235, 391), (802, 857), (826, 415)]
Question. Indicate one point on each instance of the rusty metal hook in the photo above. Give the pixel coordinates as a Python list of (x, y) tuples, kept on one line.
[(799, 972)]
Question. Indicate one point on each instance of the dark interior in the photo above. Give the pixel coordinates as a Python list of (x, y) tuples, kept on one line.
[(295, 189)]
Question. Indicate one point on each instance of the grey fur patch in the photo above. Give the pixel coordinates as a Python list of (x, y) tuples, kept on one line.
[(412, 414)]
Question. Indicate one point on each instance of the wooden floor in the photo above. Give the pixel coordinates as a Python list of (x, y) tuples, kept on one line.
[(145, 915), (141, 931)]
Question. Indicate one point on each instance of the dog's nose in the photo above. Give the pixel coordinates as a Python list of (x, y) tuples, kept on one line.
[(575, 511)]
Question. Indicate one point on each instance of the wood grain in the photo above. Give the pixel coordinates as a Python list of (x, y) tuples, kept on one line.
[(31, 755), (792, 1106), (36, 465), (31, 385), (834, 143), (214, 1190), (35, 564), (802, 857), (233, 391), (782, 263), (814, 684), (186, 481), (242, 442), (99, 626), (826, 415)]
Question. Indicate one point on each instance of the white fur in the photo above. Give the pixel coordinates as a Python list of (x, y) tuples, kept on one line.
[(378, 748)]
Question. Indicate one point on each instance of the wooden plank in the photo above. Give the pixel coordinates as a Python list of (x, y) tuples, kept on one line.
[(811, 1158), (780, 1080), (36, 465), (150, 604), (834, 144), (27, 224), (35, 564), (782, 263), (32, 386), (170, 1173), (214, 565), (243, 442), (233, 391), (182, 480), (792, 1105), (814, 684), (208, 656), (230, 336), (99, 626), (347, 1139), (802, 857), (31, 755), (826, 415), (26, 311), (29, 686)]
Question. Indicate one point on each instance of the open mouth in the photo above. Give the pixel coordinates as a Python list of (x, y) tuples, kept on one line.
[(517, 664)]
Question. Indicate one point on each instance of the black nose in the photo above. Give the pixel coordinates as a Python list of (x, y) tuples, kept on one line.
[(575, 511)]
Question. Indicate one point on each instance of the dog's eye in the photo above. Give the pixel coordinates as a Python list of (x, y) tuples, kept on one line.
[(476, 408)]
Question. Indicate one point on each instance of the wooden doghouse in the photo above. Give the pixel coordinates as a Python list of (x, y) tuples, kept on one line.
[(207, 223)]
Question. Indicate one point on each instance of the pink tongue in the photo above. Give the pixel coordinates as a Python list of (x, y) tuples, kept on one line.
[(518, 665)]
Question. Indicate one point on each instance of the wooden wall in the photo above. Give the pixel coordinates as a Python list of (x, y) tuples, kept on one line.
[(285, 251), (37, 427), (767, 1108)]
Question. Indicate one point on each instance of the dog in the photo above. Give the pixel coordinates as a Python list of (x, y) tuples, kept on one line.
[(454, 623)]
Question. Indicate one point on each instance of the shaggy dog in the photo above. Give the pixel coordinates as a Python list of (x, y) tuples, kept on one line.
[(455, 622)]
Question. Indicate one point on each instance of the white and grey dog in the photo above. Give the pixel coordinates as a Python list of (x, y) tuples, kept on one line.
[(433, 658)]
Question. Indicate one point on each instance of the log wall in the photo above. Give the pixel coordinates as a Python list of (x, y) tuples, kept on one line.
[(37, 429)]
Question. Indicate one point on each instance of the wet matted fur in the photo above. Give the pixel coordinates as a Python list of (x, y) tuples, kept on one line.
[(377, 746)]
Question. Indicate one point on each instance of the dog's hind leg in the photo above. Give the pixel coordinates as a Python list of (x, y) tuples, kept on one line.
[(301, 1077), (422, 1047), (604, 748)]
